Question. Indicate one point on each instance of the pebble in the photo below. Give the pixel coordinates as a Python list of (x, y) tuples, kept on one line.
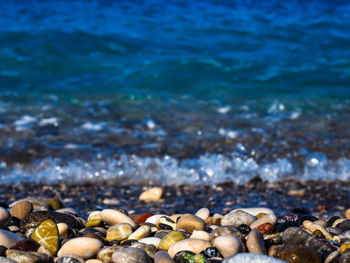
[(152, 194), (33, 219), (228, 245), (26, 257), (94, 261), (226, 231), (7, 260), (21, 209), (131, 255), (170, 239), (347, 213), (105, 254), (70, 259), (5, 216), (162, 257), (7, 239), (193, 245), (255, 242), (85, 247), (112, 217), (141, 232), (203, 213), (200, 234), (237, 218), (297, 254), (255, 210), (151, 241), (119, 232), (252, 258), (154, 219), (271, 218), (46, 234), (190, 223)]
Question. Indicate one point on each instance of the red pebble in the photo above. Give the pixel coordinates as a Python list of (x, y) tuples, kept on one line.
[(143, 218), (264, 228)]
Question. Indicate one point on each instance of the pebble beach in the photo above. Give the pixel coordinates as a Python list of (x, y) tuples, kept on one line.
[(256, 222)]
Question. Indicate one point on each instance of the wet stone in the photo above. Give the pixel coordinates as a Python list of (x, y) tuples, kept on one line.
[(298, 254), (252, 258), (226, 231), (237, 218), (344, 226), (3, 251), (27, 257), (21, 209), (105, 254), (190, 223), (345, 257), (162, 257), (297, 236), (130, 255), (26, 245), (6, 260), (255, 242), (34, 219), (211, 252)]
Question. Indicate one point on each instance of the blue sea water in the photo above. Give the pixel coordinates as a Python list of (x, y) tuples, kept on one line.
[(174, 92)]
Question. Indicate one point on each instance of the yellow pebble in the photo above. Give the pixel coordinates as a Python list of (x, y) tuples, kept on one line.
[(344, 247)]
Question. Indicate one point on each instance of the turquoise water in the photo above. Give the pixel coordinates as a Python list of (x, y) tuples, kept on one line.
[(175, 92)]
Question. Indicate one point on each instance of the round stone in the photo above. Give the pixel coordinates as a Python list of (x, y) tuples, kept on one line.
[(85, 247), (190, 223), (93, 261), (228, 245), (21, 209), (162, 257), (193, 245), (151, 195), (226, 231), (131, 255), (237, 218), (5, 216), (151, 241), (8, 239), (255, 242), (105, 254), (252, 258), (298, 254), (112, 217)]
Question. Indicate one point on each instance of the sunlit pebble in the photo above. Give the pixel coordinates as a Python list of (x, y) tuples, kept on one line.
[(224, 110)]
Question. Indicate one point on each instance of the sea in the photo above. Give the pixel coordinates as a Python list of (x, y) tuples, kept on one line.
[(174, 92)]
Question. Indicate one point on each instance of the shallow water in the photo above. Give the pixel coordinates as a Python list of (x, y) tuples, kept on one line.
[(174, 93)]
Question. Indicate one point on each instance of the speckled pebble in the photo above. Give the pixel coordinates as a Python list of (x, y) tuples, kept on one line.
[(21, 209), (237, 218), (131, 255)]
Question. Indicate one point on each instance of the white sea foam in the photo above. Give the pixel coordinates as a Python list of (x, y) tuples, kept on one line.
[(208, 169), (26, 122)]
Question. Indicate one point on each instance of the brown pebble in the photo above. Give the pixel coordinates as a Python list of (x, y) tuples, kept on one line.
[(347, 213), (190, 223), (21, 209)]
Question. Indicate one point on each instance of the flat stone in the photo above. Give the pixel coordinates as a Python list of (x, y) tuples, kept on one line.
[(193, 245), (152, 194), (21, 209), (237, 218), (190, 223), (252, 258), (131, 255), (8, 239), (26, 257), (112, 217), (5, 216), (255, 210), (154, 219), (170, 239), (255, 242), (85, 247), (162, 257), (34, 219), (93, 261), (228, 245)]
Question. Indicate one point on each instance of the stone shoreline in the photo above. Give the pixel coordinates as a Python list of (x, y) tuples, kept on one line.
[(104, 222)]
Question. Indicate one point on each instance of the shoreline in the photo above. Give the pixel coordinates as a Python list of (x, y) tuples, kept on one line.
[(320, 198)]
